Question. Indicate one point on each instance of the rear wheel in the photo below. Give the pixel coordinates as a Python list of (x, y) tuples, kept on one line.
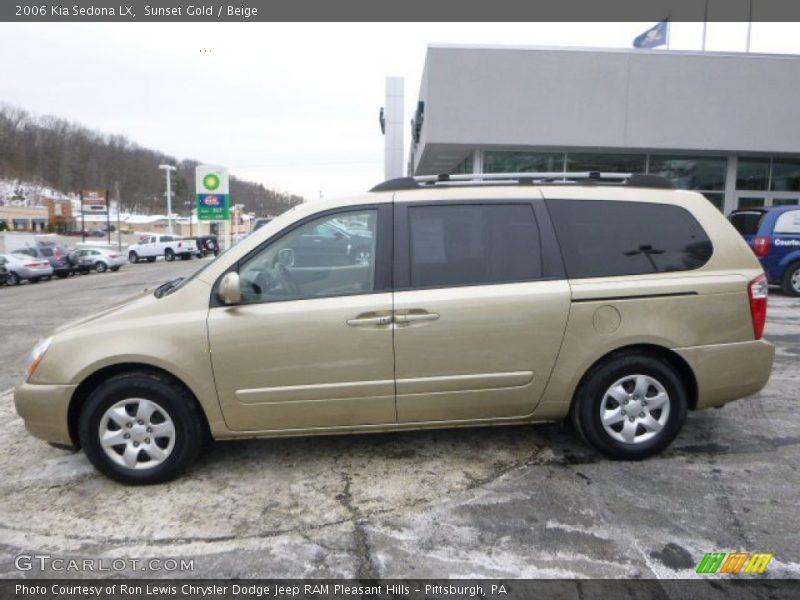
[(791, 280), (133, 257), (101, 267), (169, 255), (630, 406), (140, 428)]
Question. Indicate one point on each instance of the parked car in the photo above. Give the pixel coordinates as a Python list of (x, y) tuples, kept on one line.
[(774, 236), (57, 256), (99, 259), (330, 244), (618, 303), (206, 244), (151, 247), (3, 271), (24, 267), (259, 223)]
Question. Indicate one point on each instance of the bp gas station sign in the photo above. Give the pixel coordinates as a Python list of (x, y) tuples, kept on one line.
[(213, 197)]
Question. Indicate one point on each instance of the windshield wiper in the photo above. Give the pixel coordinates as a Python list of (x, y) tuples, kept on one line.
[(164, 288)]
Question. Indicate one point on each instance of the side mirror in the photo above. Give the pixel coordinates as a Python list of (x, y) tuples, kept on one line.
[(229, 290)]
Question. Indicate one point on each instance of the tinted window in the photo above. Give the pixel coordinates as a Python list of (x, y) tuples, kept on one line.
[(473, 244), (46, 251), (746, 223), (302, 264), (603, 238)]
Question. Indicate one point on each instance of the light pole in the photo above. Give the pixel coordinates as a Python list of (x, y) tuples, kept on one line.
[(167, 169)]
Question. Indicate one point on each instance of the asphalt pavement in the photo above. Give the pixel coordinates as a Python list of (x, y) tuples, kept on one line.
[(523, 501)]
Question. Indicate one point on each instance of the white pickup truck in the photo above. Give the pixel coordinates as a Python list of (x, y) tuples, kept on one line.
[(151, 247)]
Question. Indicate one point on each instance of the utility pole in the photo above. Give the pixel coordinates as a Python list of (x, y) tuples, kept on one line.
[(108, 218), (83, 221), (168, 169), (119, 209)]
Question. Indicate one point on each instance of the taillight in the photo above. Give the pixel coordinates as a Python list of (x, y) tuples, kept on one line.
[(757, 291), (58, 254), (761, 246)]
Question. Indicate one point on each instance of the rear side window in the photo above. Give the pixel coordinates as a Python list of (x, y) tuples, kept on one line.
[(473, 244), (746, 223), (788, 223), (46, 251), (601, 238)]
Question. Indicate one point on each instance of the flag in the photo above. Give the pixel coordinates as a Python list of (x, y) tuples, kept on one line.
[(653, 37)]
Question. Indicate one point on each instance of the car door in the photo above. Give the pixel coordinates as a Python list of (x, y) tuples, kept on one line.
[(481, 306), (310, 345)]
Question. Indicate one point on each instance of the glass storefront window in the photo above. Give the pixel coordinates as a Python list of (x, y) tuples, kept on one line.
[(717, 199), (464, 167), (785, 201), (750, 202), (522, 162), (785, 175), (691, 172), (606, 163), (752, 174)]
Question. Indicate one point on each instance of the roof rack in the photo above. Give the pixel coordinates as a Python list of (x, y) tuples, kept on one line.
[(546, 178)]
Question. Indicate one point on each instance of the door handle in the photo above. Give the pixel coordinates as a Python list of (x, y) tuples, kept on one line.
[(414, 317), (361, 321)]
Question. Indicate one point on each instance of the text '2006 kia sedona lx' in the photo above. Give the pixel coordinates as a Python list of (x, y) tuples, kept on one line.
[(614, 301)]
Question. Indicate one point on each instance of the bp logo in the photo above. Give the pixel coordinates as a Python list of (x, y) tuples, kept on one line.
[(211, 181)]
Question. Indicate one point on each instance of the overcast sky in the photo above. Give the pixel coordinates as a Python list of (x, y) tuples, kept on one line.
[(294, 106)]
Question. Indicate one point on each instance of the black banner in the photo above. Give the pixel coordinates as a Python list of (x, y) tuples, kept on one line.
[(151, 11), (706, 588)]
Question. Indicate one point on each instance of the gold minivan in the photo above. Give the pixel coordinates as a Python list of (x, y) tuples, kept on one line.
[(614, 301)]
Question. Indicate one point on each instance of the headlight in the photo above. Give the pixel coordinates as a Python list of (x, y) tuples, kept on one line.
[(36, 356)]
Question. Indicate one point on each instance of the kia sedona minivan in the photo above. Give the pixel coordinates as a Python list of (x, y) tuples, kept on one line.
[(610, 300)]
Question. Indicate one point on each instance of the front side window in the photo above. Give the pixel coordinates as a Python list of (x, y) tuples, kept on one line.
[(602, 238), (315, 260), (472, 244)]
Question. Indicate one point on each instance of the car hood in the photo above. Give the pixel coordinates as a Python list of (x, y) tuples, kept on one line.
[(141, 298)]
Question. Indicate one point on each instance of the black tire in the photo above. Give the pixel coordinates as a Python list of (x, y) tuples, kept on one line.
[(133, 257), (115, 269), (34, 279), (169, 255), (786, 284), (13, 278), (101, 267), (591, 396), (62, 275), (189, 436), (151, 259)]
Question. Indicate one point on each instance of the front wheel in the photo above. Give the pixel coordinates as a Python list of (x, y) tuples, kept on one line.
[(133, 257), (13, 278), (141, 428), (631, 406), (791, 280), (169, 255)]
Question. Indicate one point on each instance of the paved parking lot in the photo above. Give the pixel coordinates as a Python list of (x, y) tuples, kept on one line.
[(527, 501)]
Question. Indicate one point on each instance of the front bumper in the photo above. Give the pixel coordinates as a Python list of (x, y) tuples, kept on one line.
[(726, 372), (45, 408)]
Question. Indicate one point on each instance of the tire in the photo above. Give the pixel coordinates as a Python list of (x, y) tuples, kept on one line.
[(623, 373), (115, 269), (113, 407), (791, 280), (101, 267), (169, 255), (34, 279), (13, 278), (151, 259), (62, 275), (133, 257)]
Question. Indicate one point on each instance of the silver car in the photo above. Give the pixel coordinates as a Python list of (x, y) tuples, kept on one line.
[(100, 259), (22, 266)]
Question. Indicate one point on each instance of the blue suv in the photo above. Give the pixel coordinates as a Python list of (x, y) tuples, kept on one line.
[(774, 236)]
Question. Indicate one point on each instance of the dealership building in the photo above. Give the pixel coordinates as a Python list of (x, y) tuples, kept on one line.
[(724, 124)]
